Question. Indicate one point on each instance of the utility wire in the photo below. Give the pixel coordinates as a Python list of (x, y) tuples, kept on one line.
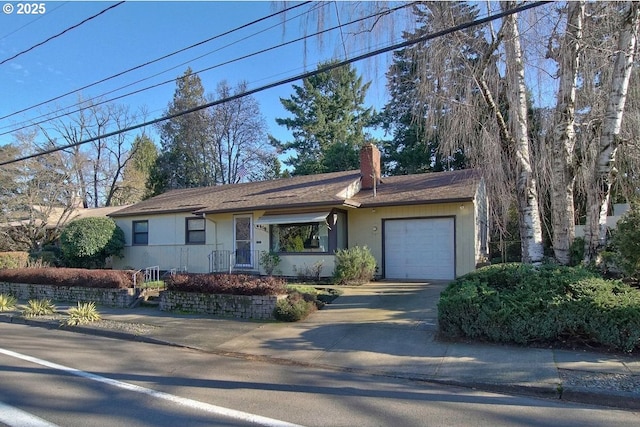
[(249, 55), (49, 12), (62, 32), (28, 123), (323, 69), (155, 60)]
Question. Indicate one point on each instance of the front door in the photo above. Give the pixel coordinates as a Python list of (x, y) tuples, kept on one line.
[(243, 236)]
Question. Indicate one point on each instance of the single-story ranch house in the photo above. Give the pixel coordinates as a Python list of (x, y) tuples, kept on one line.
[(423, 226)]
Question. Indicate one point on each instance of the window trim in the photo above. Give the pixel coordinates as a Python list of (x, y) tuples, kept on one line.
[(135, 233), (187, 231)]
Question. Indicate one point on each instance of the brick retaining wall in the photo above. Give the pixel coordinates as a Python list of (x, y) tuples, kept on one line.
[(120, 298), (239, 306)]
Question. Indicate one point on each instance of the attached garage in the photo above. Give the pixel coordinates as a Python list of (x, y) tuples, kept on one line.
[(419, 248)]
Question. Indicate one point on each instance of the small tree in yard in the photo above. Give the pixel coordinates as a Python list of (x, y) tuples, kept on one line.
[(87, 242), (354, 266), (626, 242)]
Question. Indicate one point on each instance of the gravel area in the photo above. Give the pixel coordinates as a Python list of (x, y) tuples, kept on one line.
[(600, 381)]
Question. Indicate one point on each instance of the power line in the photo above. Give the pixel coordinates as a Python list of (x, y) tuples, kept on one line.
[(49, 118), (49, 12), (306, 75), (155, 60), (51, 115), (62, 32)]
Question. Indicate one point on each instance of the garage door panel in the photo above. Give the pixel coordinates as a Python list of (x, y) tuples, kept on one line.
[(419, 248)]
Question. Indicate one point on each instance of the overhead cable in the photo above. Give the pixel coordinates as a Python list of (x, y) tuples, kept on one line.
[(249, 55), (62, 32), (154, 60), (28, 123), (325, 68)]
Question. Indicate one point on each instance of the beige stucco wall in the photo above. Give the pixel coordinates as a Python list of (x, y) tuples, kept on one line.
[(365, 228)]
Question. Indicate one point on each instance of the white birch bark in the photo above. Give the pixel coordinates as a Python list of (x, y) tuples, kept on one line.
[(564, 137), (599, 193), (526, 192)]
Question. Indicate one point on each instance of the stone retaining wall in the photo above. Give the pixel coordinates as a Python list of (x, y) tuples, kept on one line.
[(120, 298), (239, 306)]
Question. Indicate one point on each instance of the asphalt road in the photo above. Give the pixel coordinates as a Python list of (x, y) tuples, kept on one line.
[(71, 379)]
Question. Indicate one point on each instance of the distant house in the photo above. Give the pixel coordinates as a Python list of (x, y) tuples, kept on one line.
[(424, 226)]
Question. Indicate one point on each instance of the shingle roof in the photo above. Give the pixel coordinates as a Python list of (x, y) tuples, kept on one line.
[(312, 190), (299, 191), (435, 187)]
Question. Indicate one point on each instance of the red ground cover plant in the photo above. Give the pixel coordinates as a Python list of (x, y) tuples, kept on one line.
[(230, 284), (112, 279)]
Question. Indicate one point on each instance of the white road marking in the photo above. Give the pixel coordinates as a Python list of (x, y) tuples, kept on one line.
[(15, 417), (194, 404)]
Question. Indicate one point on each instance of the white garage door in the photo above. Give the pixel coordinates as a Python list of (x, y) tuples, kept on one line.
[(421, 248)]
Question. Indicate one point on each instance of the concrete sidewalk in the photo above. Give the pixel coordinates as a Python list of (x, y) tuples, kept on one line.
[(390, 329)]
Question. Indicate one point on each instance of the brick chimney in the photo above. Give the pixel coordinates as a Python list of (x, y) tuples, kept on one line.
[(369, 166)]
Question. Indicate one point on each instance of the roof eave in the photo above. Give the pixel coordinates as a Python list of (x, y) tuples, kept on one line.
[(416, 202)]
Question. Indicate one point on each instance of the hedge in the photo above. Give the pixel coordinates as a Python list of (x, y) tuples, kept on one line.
[(550, 304)]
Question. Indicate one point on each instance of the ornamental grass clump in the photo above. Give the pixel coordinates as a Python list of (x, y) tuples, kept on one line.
[(82, 314), (40, 307), (7, 302)]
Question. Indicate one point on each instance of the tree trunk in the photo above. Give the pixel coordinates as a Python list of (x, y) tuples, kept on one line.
[(599, 194), (563, 162), (526, 191)]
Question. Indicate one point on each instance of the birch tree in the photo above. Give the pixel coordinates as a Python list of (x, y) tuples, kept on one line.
[(599, 194), (563, 162)]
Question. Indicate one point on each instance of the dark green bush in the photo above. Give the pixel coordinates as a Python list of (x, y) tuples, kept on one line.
[(625, 242), (13, 259), (293, 308), (87, 242), (550, 304), (354, 266)]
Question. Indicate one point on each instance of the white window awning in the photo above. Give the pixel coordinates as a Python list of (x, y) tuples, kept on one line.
[(299, 218)]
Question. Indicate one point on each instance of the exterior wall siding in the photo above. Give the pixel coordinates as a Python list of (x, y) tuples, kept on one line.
[(365, 228)]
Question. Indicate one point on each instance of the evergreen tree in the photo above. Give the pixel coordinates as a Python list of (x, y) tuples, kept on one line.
[(328, 122), (187, 157), (135, 184)]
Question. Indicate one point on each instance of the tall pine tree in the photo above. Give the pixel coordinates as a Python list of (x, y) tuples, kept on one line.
[(328, 122)]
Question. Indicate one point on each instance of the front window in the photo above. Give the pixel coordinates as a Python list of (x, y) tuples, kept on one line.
[(309, 237), (140, 232), (195, 234)]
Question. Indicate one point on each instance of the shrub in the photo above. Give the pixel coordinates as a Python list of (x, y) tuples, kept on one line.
[(13, 259), (39, 307), (116, 279), (87, 242), (269, 261), (354, 266), (550, 304), (293, 308), (230, 284), (626, 242), (7, 302), (310, 273), (82, 314)]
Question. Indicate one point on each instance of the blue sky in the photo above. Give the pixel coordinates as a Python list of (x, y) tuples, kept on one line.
[(140, 31)]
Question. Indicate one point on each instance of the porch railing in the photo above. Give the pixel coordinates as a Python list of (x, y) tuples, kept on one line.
[(226, 261)]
